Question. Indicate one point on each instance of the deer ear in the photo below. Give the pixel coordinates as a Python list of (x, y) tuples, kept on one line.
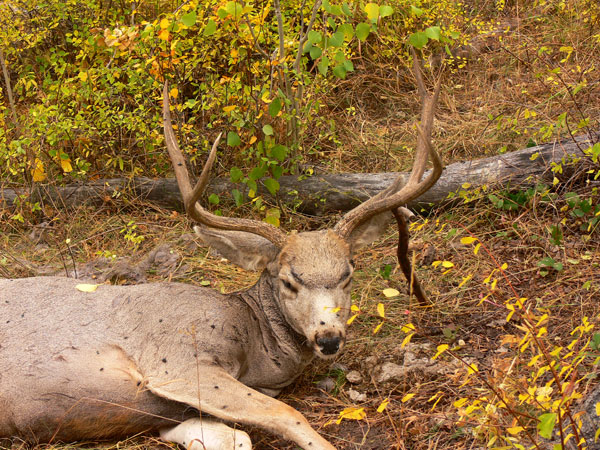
[(247, 250), (370, 230)]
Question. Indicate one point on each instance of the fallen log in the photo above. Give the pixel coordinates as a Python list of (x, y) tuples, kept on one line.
[(322, 194)]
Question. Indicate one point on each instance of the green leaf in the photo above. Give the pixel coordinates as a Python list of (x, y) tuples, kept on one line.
[(237, 197), (335, 10), (323, 65), (210, 28), (272, 185), (336, 39), (546, 425), (433, 33), (233, 140), (363, 30), (315, 52), (418, 39), (234, 8), (277, 171), (347, 29), (346, 9), (340, 71), (348, 66), (257, 172), (268, 130), (417, 12), (339, 56), (189, 20), (235, 174), (372, 10), (314, 37), (214, 199), (279, 152), (275, 107), (272, 216), (385, 11)]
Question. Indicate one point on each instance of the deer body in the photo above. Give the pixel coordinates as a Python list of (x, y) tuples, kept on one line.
[(72, 363)]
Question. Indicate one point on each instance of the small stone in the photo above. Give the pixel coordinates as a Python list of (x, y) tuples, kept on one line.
[(356, 396), (354, 377), (326, 384), (338, 366)]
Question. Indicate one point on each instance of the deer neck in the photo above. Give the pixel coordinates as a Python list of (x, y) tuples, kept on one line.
[(276, 330)]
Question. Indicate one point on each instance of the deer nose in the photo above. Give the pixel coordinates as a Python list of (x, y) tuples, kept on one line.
[(329, 345)]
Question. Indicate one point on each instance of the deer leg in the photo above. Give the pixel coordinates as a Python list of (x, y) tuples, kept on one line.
[(217, 393), (206, 434)]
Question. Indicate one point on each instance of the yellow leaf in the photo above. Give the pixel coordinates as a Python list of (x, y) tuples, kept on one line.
[(377, 328), (440, 349), (38, 171), (354, 308), (86, 287), (447, 264), (351, 319), (406, 340), (174, 92), (407, 397), (265, 97), (252, 140), (472, 368), (504, 266), (352, 414), (383, 405), (335, 310), (164, 23), (408, 328), (598, 409), (476, 249), (234, 53), (381, 310), (460, 402), (83, 76), (468, 240), (464, 280), (515, 430), (390, 292), (466, 185), (66, 165), (534, 156), (163, 35), (229, 108)]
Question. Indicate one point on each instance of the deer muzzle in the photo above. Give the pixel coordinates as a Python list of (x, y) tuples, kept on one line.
[(328, 344)]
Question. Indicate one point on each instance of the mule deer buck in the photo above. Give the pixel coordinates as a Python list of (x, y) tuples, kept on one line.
[(181, 359)]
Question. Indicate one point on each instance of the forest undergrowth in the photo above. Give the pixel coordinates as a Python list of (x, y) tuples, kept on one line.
[(508, 347)]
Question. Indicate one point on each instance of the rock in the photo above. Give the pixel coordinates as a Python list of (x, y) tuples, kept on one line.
[(356, 396), (327, 384), (354, 377), (389, 371), (338, 366)]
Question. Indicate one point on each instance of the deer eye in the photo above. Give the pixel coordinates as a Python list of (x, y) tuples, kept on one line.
[(289, 286)]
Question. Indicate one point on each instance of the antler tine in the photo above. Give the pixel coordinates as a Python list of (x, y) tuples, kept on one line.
[(394, 196), (190, 196)]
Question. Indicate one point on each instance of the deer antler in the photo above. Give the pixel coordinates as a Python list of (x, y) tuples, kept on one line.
[(394, 196), (191, 196)]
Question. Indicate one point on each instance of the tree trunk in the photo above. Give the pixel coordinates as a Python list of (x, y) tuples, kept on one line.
[(321, 194)]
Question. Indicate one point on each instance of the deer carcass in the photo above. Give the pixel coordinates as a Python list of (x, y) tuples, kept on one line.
[(181, 359)]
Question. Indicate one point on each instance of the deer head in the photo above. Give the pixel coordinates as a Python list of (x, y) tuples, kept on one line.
[(311, 272)]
